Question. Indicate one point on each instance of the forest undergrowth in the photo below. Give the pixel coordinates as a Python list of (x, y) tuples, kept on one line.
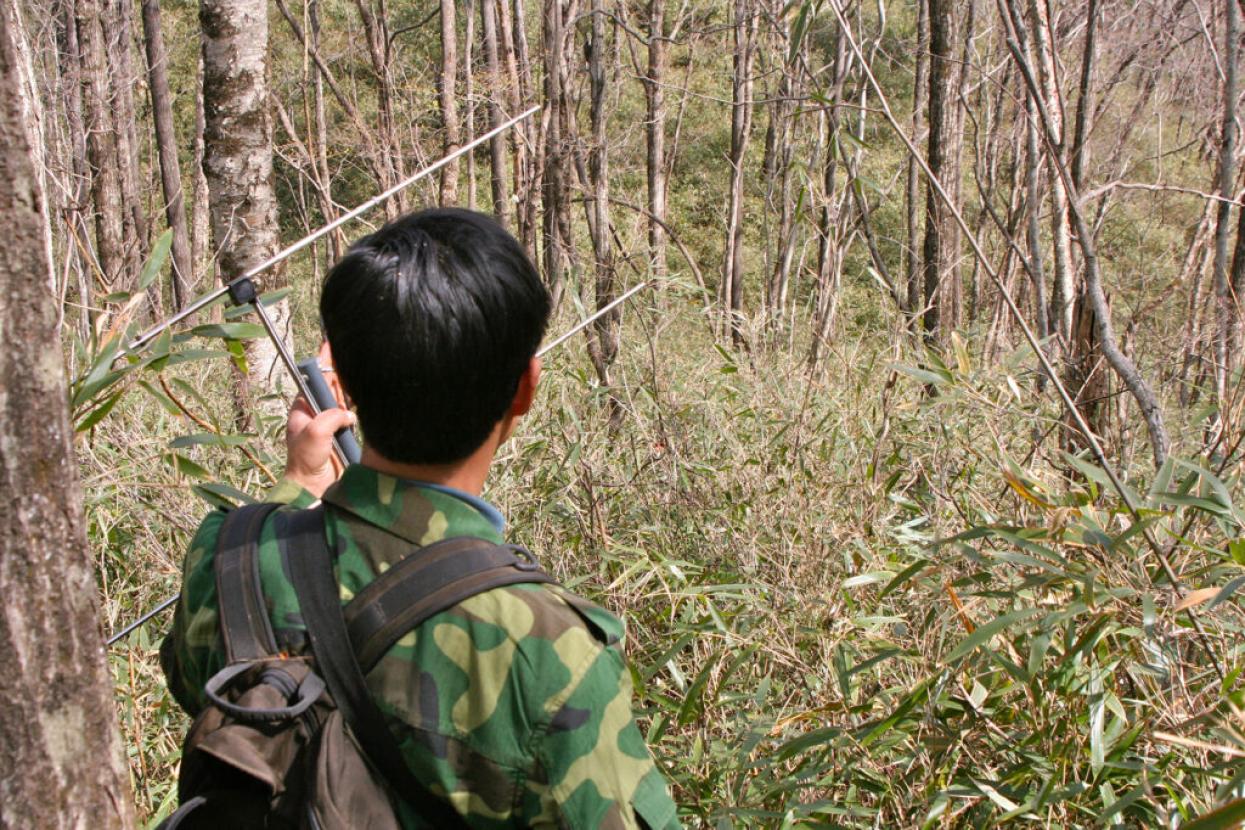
[(877, 594)]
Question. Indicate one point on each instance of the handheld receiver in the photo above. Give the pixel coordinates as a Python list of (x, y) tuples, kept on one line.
[(324, 399)]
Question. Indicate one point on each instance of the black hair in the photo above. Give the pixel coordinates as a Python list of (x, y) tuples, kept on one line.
[(432, 321)]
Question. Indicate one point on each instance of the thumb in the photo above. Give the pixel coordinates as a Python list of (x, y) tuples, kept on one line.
[(328, 422)]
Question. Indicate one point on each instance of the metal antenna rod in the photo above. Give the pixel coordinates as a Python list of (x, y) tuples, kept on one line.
[(207, 299), (289, 361), (584, 324)]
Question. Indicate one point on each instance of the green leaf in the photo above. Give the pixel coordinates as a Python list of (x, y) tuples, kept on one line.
[(1227, 817), (693, 701), (185, 466), (229, 331), (164, 400), (97, 414), (100, 374), (198, 438), (1227, 591), (924, 375), (155, 262), (984, 633), (221, 495), (798, 30), (903, 576)]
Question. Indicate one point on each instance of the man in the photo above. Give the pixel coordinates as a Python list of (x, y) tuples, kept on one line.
[(516, 702)]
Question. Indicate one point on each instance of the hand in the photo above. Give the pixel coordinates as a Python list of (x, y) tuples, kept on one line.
[(309, 458)]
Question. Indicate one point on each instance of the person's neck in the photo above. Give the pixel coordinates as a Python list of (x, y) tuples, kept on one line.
[(467, 475)]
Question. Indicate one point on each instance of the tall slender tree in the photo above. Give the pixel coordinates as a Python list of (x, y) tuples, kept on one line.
[(940, 251), (238, 160), (744, 28), (166, 147), (497, 144), (448, 96)]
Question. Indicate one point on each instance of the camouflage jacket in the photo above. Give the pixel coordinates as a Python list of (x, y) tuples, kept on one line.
[(516, 702)]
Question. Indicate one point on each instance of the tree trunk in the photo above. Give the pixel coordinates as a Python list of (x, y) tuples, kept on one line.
[(603, 340), (912, 194), (449, 100), (200, 228), (469, 95), (166, 146), (782, 154), (732, 294), (62, 764), (1064, 294), (1033, 210), (70, 63), (655, 136), (939, 256), (1225, 303), (238, 160), (497, 144), (118, 17), (101, 146), (529, 134), (559, 241)]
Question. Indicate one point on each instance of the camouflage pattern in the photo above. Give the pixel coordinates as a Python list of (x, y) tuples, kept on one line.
[(516, 702)]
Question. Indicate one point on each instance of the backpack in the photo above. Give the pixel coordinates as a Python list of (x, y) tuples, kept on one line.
[(297, 742)]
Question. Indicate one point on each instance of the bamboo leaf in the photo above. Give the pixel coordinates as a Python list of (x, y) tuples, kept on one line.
[(155, 262), (1227, 817), (984, 633)]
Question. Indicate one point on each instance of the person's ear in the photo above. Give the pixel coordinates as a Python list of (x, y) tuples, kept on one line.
[(526, 391)]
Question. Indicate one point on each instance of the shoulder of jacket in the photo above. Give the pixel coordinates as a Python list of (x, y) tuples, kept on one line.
[(534, 614)]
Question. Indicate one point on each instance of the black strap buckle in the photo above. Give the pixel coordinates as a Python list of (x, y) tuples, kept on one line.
[(526, 560)]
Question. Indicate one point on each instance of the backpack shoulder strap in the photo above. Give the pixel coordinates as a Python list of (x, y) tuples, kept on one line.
[(431, 580), (244, 624), (310, 566)]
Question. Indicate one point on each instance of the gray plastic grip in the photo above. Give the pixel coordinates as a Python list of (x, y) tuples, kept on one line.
[(344, 437)]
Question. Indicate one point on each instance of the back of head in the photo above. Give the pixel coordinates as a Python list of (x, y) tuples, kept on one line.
[(432, 321)]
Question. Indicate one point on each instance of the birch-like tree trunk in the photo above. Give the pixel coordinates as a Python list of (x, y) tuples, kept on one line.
[(238, 162), (1063, 297), (448, 96), (655, 136), (200, 227), (62, 764), (732, 293)]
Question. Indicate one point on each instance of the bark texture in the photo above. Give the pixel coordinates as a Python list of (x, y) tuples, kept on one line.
[(940, 254), (237, 158), (745, 27), (166, 145), (62, 765), (449, 100)]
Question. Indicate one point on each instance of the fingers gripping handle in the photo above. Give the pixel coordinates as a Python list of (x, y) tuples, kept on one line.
[(324, 399)]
